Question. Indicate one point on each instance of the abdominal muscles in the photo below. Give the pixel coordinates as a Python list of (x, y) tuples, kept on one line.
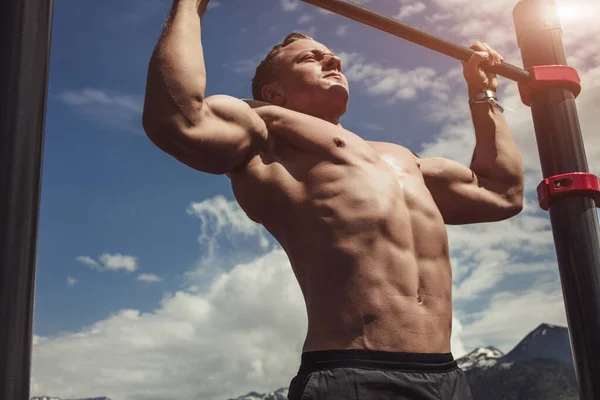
[(370, 253), (369, 250)]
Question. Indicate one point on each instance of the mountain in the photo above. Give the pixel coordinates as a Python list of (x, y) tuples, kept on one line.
[(58, 398), (280, 394), (546, 341), (539, 379), (539, 367), (481, 357)]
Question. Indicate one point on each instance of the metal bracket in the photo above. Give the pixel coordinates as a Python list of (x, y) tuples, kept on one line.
[(566, 185), (550, 76)]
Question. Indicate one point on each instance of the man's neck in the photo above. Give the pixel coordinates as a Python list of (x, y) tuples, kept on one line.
[(331, 117), (334, 121)]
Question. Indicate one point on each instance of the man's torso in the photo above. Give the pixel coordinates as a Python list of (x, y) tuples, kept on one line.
[(364, 236)]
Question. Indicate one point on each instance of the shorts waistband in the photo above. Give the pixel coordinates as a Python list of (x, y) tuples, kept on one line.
[(313, 361)]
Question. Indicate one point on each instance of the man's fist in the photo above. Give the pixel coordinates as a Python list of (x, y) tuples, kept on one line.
[(477, 79)]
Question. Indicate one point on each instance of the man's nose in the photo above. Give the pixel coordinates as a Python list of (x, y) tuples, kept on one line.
[(333, 62)]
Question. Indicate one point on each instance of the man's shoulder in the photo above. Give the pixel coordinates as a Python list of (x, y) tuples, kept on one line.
[(255, 103)]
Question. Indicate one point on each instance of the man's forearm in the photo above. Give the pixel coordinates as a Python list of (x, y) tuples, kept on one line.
[(496, 157), (176, 75)]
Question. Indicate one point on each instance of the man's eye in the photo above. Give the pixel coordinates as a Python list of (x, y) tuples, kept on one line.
[(309, 58)]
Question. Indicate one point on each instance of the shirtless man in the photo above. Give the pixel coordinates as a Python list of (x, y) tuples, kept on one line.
[(363, 223)]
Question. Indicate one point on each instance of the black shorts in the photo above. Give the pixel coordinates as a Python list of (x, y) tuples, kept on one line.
[(378, 375)]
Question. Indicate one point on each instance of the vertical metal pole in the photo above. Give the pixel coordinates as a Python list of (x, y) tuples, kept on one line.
[(574, 220), (24, 55)]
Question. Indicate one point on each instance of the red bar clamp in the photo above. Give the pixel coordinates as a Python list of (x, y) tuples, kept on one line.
[(571, 184), (550, 76)]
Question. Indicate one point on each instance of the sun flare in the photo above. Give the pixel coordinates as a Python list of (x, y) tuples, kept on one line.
[(569, 12)]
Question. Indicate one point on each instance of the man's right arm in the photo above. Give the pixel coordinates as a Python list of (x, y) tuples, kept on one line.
[(214, 134)]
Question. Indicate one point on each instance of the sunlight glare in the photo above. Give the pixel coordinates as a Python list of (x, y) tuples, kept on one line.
[(569, 12)]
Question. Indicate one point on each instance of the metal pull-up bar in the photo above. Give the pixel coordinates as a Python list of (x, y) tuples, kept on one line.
[(392, 26)]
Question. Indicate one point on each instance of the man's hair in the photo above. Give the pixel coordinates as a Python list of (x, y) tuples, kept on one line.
[(265, 72)]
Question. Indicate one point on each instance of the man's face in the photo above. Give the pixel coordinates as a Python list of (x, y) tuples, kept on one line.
[(309, 78)]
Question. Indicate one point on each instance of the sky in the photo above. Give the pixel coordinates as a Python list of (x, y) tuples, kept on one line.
[(153, 284)]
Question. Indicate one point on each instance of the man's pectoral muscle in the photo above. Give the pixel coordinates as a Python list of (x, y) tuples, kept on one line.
[(463, 197)]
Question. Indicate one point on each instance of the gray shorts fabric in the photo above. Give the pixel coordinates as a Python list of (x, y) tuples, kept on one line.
[(378, 375)]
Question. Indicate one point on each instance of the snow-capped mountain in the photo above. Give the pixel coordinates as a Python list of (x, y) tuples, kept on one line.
[(58, 398), (45, 398), (546, 341), (481, 357), (280, 394)]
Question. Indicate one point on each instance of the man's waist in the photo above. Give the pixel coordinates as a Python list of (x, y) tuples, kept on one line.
[(375, 359)]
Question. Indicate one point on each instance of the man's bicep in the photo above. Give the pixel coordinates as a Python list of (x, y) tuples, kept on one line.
[(226, 132), (463, 197)]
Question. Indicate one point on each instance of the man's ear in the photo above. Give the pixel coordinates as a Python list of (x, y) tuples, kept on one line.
[(271, 94)]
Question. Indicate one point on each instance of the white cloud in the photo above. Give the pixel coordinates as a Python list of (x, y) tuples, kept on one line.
[(71, 281), (290, 5), (305, 18), (110, 262), (223, 222), (119, 111), (244, 334), (88, 261), (221, 217), (93, 97), (372, 126), (245, 67), (511, 315), (149, 278), (341, 30), (408, 10), (115, 262), (391, 84)]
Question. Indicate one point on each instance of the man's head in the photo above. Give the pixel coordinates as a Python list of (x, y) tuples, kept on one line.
[(303, 75)]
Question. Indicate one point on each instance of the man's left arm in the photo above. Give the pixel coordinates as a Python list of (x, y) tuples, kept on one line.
[(491, 189)]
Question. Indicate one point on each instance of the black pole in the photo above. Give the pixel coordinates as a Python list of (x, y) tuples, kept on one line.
[(393, 26), (574, 220), (24, 54)]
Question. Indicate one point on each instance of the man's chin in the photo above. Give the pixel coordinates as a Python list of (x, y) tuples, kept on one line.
[(338, 92)]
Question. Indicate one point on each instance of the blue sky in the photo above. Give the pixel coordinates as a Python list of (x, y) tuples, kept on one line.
[(148, 270)]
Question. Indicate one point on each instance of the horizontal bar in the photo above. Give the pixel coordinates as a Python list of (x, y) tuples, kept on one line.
[(393, 26)]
